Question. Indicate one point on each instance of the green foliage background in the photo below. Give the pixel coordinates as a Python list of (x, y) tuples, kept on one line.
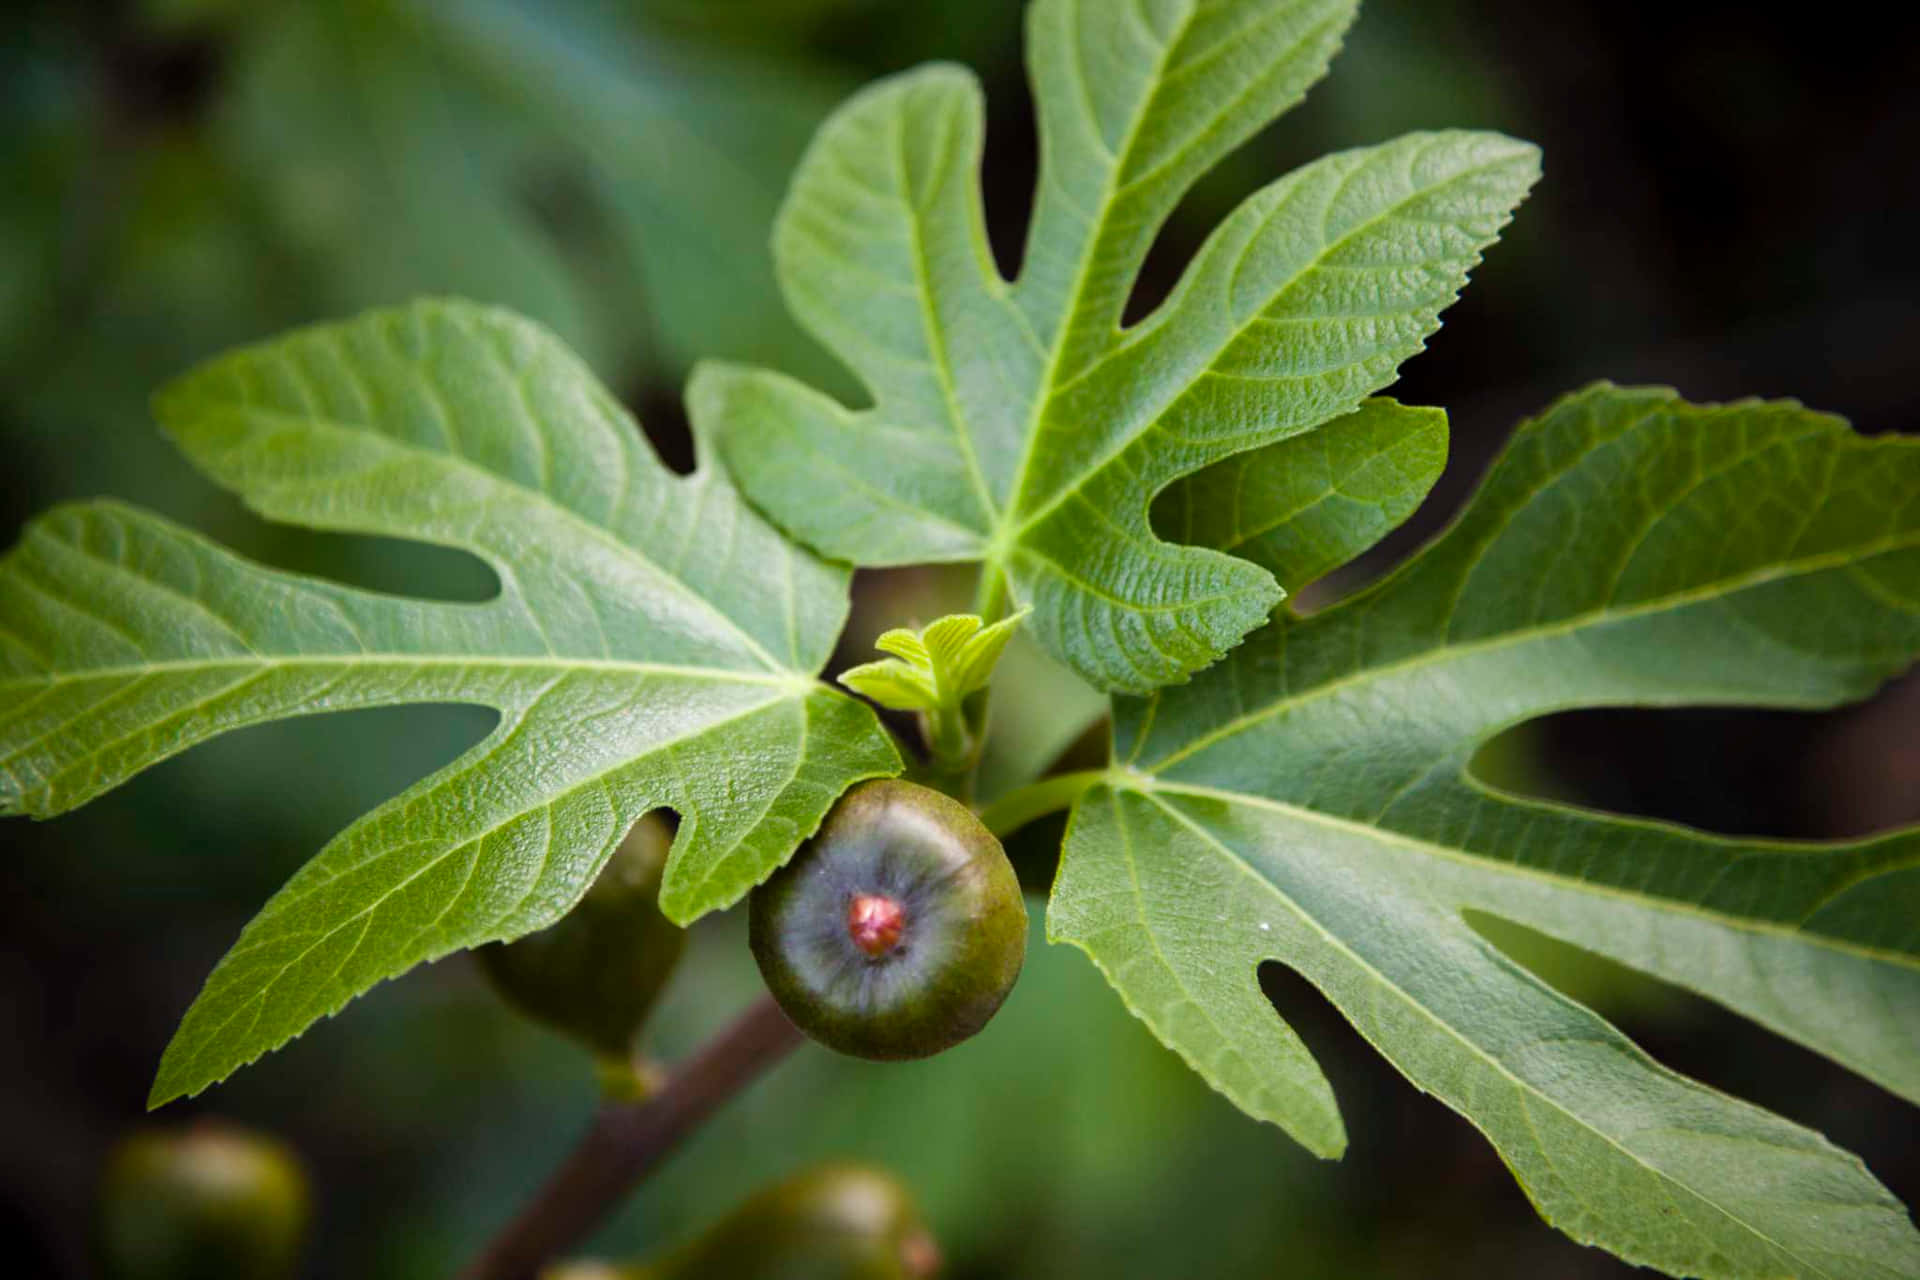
[(1720, 212)]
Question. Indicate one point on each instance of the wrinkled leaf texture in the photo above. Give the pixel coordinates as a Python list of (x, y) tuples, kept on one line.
[(653, 644)]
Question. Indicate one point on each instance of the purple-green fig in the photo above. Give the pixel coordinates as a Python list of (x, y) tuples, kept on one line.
[(833, 1222), (597, 973), (897, 931), (212, 1200)]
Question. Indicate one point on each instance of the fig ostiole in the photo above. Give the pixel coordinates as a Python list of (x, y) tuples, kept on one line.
[(897, 931)]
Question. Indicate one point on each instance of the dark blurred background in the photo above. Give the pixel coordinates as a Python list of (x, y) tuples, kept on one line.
[(1730, 207)]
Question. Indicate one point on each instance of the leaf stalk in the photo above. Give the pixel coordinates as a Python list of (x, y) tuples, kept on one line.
[(1038, 799)]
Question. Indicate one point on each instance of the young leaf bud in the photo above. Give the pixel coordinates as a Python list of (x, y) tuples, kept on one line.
[(596, 974), (897, 931), (211, 1200)]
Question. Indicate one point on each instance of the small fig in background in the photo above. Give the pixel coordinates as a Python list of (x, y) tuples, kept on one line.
[(213, 1200), (897, 931), (833, 1222), (596, 974)]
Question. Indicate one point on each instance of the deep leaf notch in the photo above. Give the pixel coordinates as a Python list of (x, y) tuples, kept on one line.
[(1309, 801), (653, 645), (1018, 424)]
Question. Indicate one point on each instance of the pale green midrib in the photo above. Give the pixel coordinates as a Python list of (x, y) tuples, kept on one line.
[(1339, 16), (1494, 1064), (1002, 539), (1149, 421), (592, 779), (1243, 533), (1446, 652), (495, 744), (935, 331), (1178, 607), (794, 690), (1242, 536), (848, 475), (533, 664), (278, 419), (1527, 871)]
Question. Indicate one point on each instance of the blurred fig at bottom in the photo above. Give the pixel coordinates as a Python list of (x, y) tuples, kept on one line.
[(208, 1201), (830, 1222)]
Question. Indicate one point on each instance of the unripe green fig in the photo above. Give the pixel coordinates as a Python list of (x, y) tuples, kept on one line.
[(209, 1201), (897, 931), (596, 973), (833, 1222)]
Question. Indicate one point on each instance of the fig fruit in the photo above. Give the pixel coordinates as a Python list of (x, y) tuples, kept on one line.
[(210, 1200), (897, 931), (834, 1222), (596, 974)]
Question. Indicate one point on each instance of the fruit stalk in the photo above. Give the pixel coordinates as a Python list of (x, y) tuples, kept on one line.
[(628, 1140)]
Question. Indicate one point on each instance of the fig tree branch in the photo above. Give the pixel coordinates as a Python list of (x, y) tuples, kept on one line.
[(628, 1140)]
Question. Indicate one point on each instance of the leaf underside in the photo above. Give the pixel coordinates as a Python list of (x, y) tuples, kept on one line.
[(1018, 424), (1308, 801), (653, 644), (1150, 493)]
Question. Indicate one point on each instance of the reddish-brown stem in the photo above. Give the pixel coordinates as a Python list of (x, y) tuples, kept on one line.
[(629, 1139)]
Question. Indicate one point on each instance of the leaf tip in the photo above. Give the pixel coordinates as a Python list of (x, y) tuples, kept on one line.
[(176, 1080), (1324, 1142)]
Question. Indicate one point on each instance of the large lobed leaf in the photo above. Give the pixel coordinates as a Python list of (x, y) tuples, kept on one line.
[(1309, 801), (653, 644), (1020, 424)]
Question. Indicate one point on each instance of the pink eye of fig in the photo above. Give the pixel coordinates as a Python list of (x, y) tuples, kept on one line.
[(875, 923)]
